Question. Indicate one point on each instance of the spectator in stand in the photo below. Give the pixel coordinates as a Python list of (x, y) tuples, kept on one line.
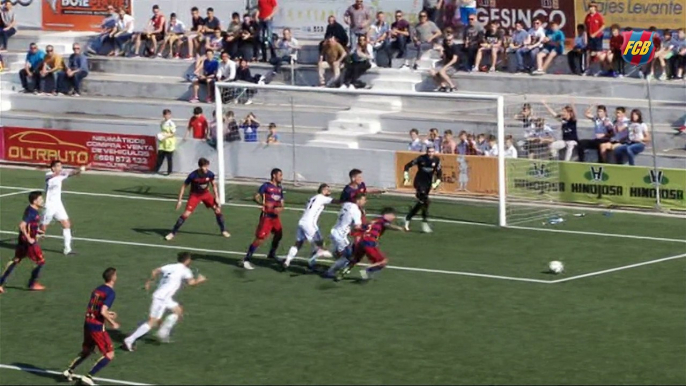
[(472, 37), (272, 135), (611, 59), (335, 30), (416, 144), (107, 27), (525, 116), (638, 137), (249, 43), (538, 141), (482, 145), (433, 9), (233, 35), (227, 68), (448, 68), (250, 125), (467, 10), (175, 37), (602, 132), (553, 46), (492, 43), (216, 42), (465, 146), (154, 32), (448, 146), (167, 142), (243, 74), (570, 139), (122, 33), (232, 132), (31, 70), (8, 24), (648, 69), (520, 39), (266, 9), (75, 72), (331, 57), (379, 38), (205, 73), (426, 36), (595, 26), (434, 140), (536, 37), (576, 57), (196, 33), (52, 66), (210, 24), (359, 61), (286, 50), (492, 146), (198, 127), (619, 134), (662, 55), (359, 18), (400, 34), (510, 149), (678, 60)]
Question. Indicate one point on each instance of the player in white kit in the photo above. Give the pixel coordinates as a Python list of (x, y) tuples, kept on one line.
[(349, 218), (308, 228), (173, 276), (54, 209)]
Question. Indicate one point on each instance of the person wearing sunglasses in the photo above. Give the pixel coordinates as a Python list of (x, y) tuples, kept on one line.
[(76, 70), (31, 70), (426, 35), (52, 66)]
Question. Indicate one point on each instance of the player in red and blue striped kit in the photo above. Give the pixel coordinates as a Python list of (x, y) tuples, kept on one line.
[(94, 333), (368, 245), (200, 181), (27, 245), (271, 197), (355, 188)]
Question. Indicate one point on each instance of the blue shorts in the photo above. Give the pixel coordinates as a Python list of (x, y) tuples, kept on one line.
[(595, 44), (465, 12)]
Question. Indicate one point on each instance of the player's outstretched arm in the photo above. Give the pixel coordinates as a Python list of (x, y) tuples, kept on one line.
[(396, 228), (196, 280), (376, 191), (109, 316), (153, 277)]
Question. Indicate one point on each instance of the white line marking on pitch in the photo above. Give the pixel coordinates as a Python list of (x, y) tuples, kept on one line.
[(43, 371), (634, 237), (203, 250), (14, 193), (675, 257)]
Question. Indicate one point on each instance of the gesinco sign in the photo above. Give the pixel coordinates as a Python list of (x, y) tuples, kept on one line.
[(508, 12)]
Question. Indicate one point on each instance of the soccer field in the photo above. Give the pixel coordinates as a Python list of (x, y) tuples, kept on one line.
[(468, 304)]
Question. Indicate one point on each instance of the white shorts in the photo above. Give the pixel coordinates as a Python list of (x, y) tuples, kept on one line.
[(160, 306), (308, 232), (339, 241), (56, 212)]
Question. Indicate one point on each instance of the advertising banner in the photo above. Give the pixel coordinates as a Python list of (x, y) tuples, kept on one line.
[(639, 14), (78, 15), (510, 11), (27, 13), (473, 175), (308, 18), (598, 183), (101, 150)]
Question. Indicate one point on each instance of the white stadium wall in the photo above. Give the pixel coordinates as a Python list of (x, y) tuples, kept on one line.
[(28, 13)]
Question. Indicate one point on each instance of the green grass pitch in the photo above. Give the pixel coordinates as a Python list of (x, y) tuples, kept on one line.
[(431, 324)]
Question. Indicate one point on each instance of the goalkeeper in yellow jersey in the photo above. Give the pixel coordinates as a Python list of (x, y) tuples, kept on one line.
[(428, 167)]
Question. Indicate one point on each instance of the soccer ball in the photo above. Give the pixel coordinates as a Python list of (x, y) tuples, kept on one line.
[(556, 267)]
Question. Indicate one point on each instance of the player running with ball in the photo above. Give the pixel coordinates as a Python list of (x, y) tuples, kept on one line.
[(428, 166), (308, 229), (173, 276), (199, 180), (54, 209)]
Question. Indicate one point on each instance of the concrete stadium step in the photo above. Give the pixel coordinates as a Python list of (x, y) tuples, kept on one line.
[(62, 41), (496, 83)]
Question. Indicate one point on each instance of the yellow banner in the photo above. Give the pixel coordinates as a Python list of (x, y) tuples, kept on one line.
[(637, 13)]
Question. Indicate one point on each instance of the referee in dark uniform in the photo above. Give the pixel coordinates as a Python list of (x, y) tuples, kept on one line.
[(428, 166)]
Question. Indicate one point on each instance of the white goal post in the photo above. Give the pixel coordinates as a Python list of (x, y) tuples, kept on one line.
[(498, 100)]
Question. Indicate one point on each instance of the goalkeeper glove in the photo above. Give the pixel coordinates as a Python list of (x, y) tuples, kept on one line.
[(406, 180), (435, 184)]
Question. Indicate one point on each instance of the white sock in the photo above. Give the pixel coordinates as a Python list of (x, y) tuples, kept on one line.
[(291, 254), (168, 324), (66, 232), (140, 331)]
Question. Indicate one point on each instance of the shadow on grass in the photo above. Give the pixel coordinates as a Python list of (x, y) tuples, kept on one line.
[(147, 191), (165, 231), (39, 372)]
